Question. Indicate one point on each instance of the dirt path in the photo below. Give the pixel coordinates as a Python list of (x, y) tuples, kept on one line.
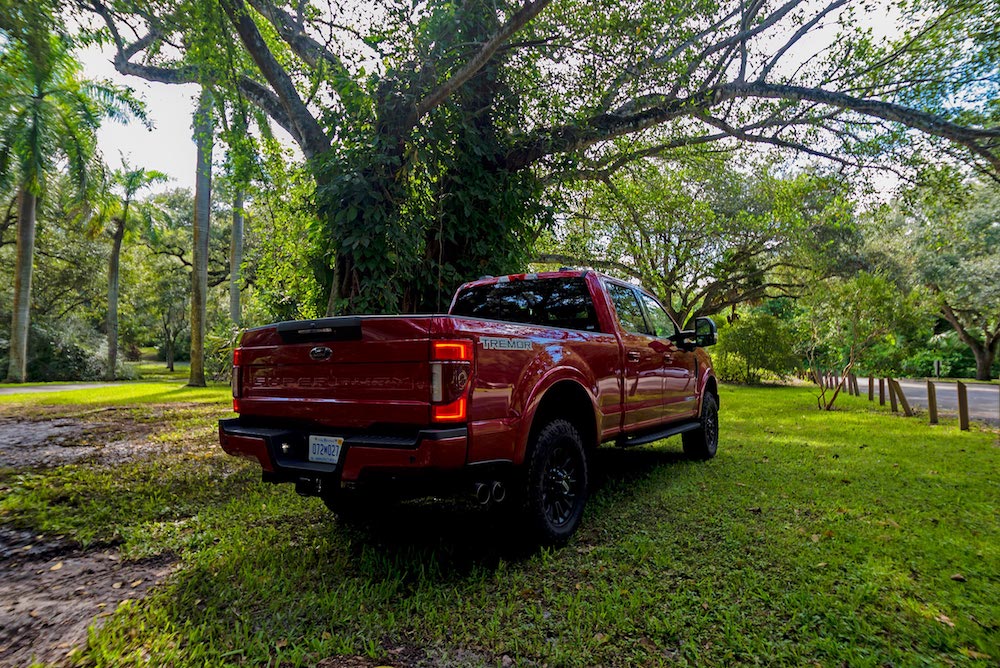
[(51, 591)]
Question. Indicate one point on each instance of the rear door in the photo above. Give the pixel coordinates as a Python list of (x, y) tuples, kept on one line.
[(643, 380)]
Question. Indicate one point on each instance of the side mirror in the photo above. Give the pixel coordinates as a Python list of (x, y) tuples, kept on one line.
[(705, 332)]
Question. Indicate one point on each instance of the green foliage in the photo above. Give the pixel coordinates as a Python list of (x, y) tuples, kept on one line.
[(754, 344), (844, 322), (705, 232), (944, 235)]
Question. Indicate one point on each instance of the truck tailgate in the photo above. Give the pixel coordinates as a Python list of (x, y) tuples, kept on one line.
[(345, 372)]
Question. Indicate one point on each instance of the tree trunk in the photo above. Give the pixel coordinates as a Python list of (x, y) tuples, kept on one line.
[(18, 368), (985, 356), (236, 258), (202, 211), (114, 264), (170, 350)]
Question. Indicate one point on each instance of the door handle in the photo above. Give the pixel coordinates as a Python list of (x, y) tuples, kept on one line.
[(633, 356)]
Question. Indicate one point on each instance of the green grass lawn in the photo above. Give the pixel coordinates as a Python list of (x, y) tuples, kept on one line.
[(123, 394), (812, 538)]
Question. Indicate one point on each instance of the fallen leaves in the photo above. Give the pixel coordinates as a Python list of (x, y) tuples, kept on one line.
[(943, 618), (958, 577), (56, 567)]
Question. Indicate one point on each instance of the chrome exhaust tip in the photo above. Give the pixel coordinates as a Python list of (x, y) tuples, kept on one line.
[(482, 492), (498, 492)]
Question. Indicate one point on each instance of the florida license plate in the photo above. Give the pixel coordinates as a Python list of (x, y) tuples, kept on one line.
[(325, 449)]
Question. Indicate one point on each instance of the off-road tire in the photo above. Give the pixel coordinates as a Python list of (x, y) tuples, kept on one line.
[(702, 443), (556, 482)]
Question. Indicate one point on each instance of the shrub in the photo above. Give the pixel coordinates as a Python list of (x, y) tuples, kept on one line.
[(754, 345)]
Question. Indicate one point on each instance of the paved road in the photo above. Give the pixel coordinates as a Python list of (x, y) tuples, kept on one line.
[(984, 400), (29, 389)]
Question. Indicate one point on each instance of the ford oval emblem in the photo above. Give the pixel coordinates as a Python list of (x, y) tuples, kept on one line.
[(320, 353)]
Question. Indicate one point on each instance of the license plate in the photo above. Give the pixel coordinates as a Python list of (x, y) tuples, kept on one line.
[(325, 449)]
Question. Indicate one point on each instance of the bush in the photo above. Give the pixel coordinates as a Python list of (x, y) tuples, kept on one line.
[(59, 354), (754, 345)]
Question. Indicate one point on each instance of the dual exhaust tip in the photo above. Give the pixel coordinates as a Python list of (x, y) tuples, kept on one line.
[(490, 492)]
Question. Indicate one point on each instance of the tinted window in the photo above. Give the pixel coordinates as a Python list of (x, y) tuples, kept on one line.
[(629, 312), (663, 326), (562, 302)]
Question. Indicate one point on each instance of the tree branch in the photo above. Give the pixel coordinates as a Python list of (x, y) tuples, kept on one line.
[(527, 12), (309, 134)]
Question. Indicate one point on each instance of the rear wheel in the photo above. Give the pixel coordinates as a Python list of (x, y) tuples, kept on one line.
[(556, 489), (702, 443)]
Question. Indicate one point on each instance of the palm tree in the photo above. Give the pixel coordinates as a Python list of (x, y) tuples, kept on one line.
[(123, 212), (49, 116)]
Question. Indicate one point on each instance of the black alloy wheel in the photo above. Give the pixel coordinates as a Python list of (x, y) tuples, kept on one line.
[(556, 482)]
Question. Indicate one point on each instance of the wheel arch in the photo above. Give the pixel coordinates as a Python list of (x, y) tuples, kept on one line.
[(711, 387), (569, 400)]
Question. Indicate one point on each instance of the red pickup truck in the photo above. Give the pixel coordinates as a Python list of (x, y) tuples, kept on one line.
[(506, 396)]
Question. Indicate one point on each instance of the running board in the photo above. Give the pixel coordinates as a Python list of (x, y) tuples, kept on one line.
[(642, 439)]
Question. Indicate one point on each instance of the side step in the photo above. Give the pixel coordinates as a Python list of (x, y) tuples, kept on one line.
[(673, 430)]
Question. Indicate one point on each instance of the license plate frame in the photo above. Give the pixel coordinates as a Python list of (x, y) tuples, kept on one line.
[(324, 449)]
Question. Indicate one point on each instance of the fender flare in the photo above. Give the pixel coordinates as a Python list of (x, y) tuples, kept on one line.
[(553, 377)]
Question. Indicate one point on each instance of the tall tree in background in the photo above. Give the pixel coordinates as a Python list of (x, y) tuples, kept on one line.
[(48, 114), (945, 235), (702, 234), (124, 213), (431, 128), (204, 138)]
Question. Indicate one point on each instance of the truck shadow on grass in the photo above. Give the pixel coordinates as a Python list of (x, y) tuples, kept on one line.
[(470, 536)]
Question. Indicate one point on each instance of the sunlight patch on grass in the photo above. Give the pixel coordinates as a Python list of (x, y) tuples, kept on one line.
[(124, 394)]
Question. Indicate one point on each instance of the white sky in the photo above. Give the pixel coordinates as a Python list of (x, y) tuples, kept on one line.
[(169, 146)]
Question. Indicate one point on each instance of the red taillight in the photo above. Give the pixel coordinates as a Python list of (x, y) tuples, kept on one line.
[(457, 351), (453, 412), (236, 405), (451, 370), (236, 383)]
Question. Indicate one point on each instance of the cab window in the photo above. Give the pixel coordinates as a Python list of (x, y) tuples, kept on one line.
[(628, 308), (663, 326)]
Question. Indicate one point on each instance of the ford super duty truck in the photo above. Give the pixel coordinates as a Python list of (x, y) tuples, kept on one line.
[(506, 396)]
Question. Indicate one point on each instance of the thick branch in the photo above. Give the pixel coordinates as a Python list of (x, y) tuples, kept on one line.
[(527, 12), (311, 51), (310, 136), (931, 124)]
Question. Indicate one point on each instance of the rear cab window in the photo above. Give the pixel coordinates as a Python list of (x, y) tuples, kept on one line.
[(551, 302), (629, 309)]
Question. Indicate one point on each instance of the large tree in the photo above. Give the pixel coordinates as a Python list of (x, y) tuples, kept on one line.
[(429, 128), (944, 234), (703, 234), (48, 114)]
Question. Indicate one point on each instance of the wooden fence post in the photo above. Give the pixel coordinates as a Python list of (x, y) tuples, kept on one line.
[(902, 398), (871, 388), (932, 402), (892, 395), (963, 407), (881, 391)]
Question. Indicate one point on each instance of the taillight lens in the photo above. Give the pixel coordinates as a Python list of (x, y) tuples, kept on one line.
[(451, 370), (237, 359)]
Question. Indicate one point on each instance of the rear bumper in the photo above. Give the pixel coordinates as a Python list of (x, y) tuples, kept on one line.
[(283, 453)]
